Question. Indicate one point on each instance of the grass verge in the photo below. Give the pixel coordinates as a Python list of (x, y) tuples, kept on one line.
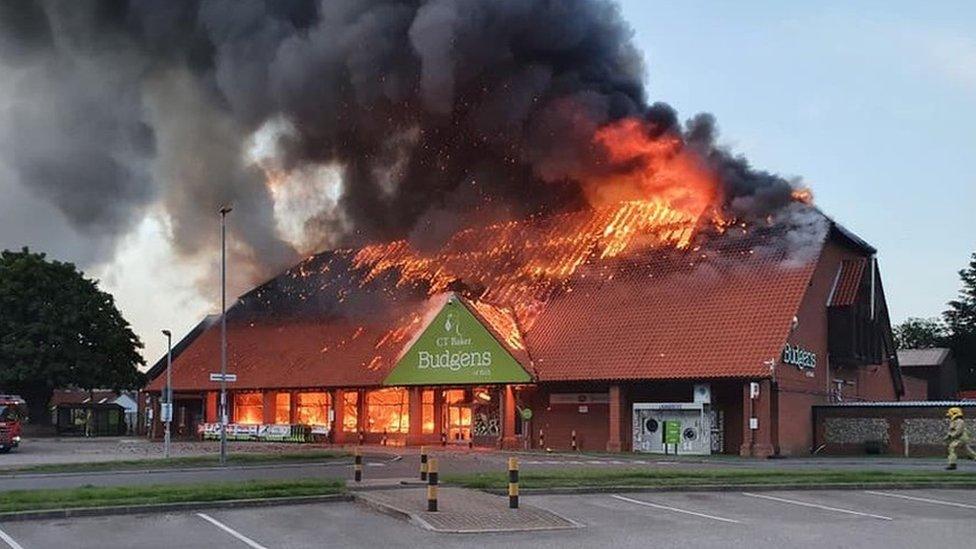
[(597, 478), (105, 496), (179, 462)]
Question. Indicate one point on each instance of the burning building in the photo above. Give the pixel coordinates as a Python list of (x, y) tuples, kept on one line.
[(524, 247), (595, 328)]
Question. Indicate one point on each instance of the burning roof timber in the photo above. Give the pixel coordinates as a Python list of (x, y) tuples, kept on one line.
[(635, 290)]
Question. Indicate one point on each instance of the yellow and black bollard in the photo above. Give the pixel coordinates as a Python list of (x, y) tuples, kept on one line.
[(359, 465), (575, 446), (432, 485), (513, 483), (542, 440), (423, 463)]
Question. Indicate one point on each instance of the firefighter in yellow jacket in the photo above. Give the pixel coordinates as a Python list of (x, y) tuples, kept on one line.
[(957, 437)]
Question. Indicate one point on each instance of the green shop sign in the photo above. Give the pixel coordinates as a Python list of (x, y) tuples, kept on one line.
[(672, 432), (455, 348)]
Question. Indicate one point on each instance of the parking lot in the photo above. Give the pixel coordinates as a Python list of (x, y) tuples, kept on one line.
[(889, 519)]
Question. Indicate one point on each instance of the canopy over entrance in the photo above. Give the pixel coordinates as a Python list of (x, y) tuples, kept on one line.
[(456, 348)]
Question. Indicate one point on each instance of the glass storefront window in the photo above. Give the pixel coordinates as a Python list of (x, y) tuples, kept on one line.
[(387, 411), (282, 408), (427, 411), (313, 408), (350, 411), (248, 408), (454, 396)]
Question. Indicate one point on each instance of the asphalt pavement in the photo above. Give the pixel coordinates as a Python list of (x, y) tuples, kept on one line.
[(801, 519), (389, 463)]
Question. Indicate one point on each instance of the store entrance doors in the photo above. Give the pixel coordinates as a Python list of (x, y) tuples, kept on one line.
[(458, 416)]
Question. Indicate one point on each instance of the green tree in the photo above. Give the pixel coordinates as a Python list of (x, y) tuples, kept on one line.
[(960, 319), (920, 333), (57, 329)]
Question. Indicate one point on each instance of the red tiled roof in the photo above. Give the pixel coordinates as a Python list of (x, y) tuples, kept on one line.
[(613, 300), (303, 353), (848, 281), (503, 325), (666, 319)]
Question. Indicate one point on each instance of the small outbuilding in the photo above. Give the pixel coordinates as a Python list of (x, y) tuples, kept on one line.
[(936, 366), (95, 413)]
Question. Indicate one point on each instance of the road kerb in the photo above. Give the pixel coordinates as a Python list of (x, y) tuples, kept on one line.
[(46, 514), (570, 490)]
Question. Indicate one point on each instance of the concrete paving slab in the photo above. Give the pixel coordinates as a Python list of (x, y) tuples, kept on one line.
[(463, 511)]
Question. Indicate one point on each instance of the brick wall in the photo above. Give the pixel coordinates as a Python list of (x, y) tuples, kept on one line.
[(916, 389), (558, 421), (798, 391)]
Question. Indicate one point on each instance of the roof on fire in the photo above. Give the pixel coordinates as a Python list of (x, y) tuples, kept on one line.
[(567, 307)]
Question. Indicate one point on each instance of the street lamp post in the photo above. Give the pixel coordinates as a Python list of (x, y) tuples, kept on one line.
[(223, 333), (168, 416)]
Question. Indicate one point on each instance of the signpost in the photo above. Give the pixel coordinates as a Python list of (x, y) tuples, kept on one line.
[(229, 378), (166, 412), (224, 379)]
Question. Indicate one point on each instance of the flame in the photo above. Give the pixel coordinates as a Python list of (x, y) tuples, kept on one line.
[(503, 323), (804, 195), (521, 263), (649, 192), (643, 167)]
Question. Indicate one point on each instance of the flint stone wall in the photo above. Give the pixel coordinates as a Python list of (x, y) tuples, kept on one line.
[(856, 430), (930, 431), (840, 429)]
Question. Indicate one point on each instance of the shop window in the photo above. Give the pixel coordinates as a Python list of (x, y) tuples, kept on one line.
[(282, 408), (248, 408), (350, 411), (313, 408), (387, 411), (427, 411), (454, 396)]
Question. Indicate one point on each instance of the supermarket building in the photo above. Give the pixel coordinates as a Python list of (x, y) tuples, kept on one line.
[(576, 330)]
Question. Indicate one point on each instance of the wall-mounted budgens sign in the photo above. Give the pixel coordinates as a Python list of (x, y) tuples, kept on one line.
[(799, 357), (455, 348)]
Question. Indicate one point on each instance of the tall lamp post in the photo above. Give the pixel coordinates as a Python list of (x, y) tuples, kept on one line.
[(168, 396), (223, 333)]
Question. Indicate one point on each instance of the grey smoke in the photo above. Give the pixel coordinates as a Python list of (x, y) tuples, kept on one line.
[(489, 106)]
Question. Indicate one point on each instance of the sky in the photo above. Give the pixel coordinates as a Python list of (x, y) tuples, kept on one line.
[(873, 105)]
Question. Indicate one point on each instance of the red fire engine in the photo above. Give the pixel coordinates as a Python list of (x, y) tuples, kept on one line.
[(13, 409)]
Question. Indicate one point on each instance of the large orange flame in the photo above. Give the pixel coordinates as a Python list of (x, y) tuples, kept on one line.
[(660, 169)]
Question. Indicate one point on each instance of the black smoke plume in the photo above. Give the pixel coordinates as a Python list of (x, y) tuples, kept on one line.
[(433, 111)]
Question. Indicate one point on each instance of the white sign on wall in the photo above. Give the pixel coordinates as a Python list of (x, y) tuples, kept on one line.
[(579, 398)]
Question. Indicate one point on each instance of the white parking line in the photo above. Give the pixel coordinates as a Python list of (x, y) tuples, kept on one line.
[(674, 509), (816, 506), (250, 542), (10, 541), (925, 500)]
